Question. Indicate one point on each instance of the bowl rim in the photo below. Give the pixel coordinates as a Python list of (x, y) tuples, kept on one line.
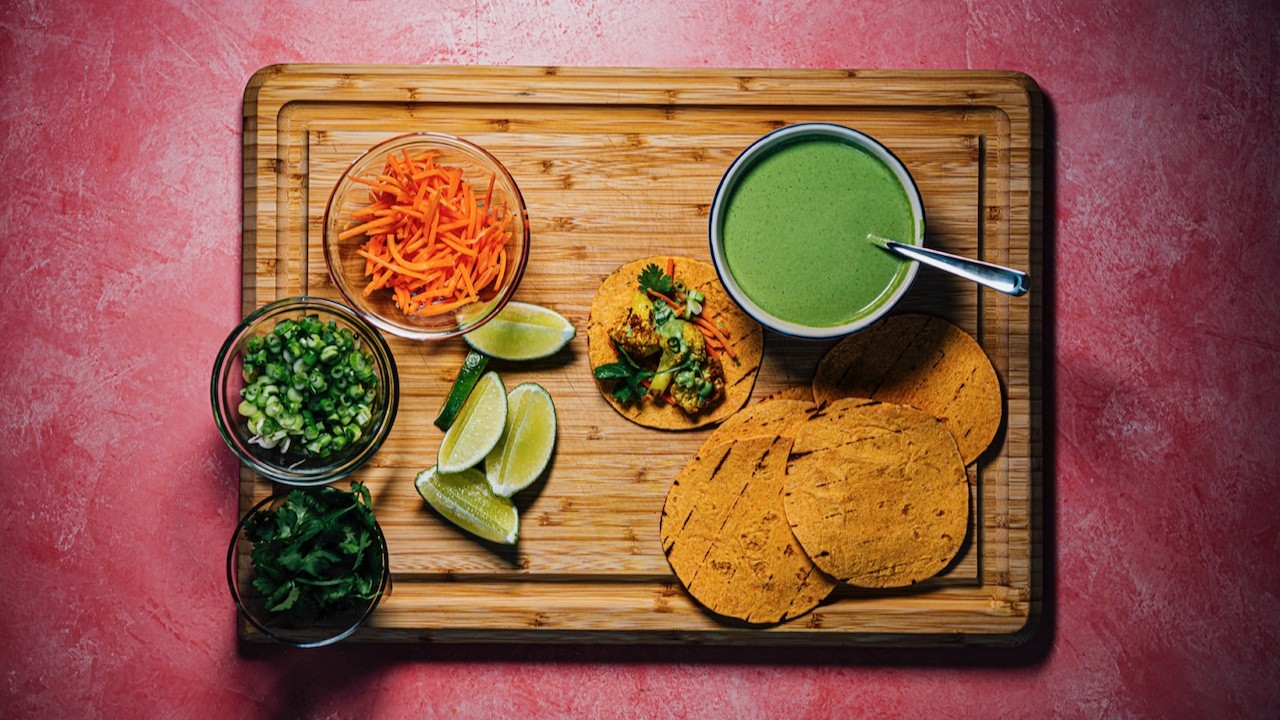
[(428, 136), (746, 160), (233, 584), (389, 386)]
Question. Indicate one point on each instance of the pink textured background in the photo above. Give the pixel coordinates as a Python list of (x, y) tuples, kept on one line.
[(121, 234)]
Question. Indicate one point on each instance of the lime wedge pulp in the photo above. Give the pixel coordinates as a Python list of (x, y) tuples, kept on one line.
[(472, 367), (465, 500), (477, 428), (526, 444), (522, 331)]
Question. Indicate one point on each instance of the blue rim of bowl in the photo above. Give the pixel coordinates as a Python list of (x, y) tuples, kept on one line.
[(745, 160), (233, 584), (516, 274), (226, 357)]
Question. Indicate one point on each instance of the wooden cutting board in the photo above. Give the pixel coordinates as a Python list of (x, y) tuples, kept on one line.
[(618, 164)]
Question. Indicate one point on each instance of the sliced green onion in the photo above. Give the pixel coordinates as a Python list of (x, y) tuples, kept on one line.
[(303, 378)]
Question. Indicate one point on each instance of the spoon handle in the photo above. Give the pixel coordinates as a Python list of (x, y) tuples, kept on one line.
[(1006, 280)]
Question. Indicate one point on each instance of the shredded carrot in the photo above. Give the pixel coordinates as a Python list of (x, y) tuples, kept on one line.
[(488, 195), (706, 326), (365, 228), (376, 185), (674, 305), (431, 240), (441, 308)]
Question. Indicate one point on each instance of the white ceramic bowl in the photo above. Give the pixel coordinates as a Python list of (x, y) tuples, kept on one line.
[(763, 148)]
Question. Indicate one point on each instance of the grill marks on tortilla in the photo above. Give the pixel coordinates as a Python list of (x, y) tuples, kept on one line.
[(874, 489), (877, 493), (726, 536), (768, 418), (921, 361), (797, 392)]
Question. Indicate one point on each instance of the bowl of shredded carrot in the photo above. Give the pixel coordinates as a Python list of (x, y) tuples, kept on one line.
[(426, 236)]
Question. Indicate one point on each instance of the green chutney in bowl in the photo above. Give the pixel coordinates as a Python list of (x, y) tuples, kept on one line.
[(789, 226)]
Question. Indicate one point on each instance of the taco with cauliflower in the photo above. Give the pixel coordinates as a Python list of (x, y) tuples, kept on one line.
[(668, 347)]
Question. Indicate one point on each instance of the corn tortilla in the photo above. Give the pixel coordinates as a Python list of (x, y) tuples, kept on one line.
[(876, 493), (921, 361), (767, 418), (725, 534)]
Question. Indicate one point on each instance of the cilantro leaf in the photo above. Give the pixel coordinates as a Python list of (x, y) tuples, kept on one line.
[(630, 387), (311, 556), (613, 371), (284, 597), (631, 375), (655, 278)]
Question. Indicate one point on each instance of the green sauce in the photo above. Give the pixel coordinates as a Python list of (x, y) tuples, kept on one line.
[(795, 230)]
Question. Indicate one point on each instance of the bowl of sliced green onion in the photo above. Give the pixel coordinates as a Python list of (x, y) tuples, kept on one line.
[(304, 391)]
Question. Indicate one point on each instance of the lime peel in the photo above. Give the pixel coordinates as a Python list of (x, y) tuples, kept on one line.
[(472, 368), (465, 499), (522, 331), (527, 442)]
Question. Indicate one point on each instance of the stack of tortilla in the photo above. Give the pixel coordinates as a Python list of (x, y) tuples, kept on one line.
[(859, 479)]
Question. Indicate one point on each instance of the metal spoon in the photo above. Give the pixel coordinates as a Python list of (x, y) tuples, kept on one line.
[(1006, 280)]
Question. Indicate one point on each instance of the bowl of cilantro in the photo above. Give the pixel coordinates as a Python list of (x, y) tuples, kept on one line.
[(309, 566), (304, 391)]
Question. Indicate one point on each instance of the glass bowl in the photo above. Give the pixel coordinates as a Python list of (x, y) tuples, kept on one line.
[(436, 313), (302, 460), (301, 625)]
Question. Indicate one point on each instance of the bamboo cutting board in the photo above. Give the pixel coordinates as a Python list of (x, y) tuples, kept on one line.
[(615, 165)]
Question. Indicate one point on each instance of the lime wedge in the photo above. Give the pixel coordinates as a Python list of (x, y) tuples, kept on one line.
[(479, 425), (526, 444), (465, 500), (522, 331), (468, 374)]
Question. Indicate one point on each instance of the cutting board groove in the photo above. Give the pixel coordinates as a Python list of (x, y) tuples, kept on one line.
[(617, 164)]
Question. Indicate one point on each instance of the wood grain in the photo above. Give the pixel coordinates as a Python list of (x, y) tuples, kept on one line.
[(617, 164)]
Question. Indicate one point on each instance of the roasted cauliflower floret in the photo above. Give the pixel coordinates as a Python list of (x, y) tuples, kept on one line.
[(638, 335), (696, 388), (692, 376)]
